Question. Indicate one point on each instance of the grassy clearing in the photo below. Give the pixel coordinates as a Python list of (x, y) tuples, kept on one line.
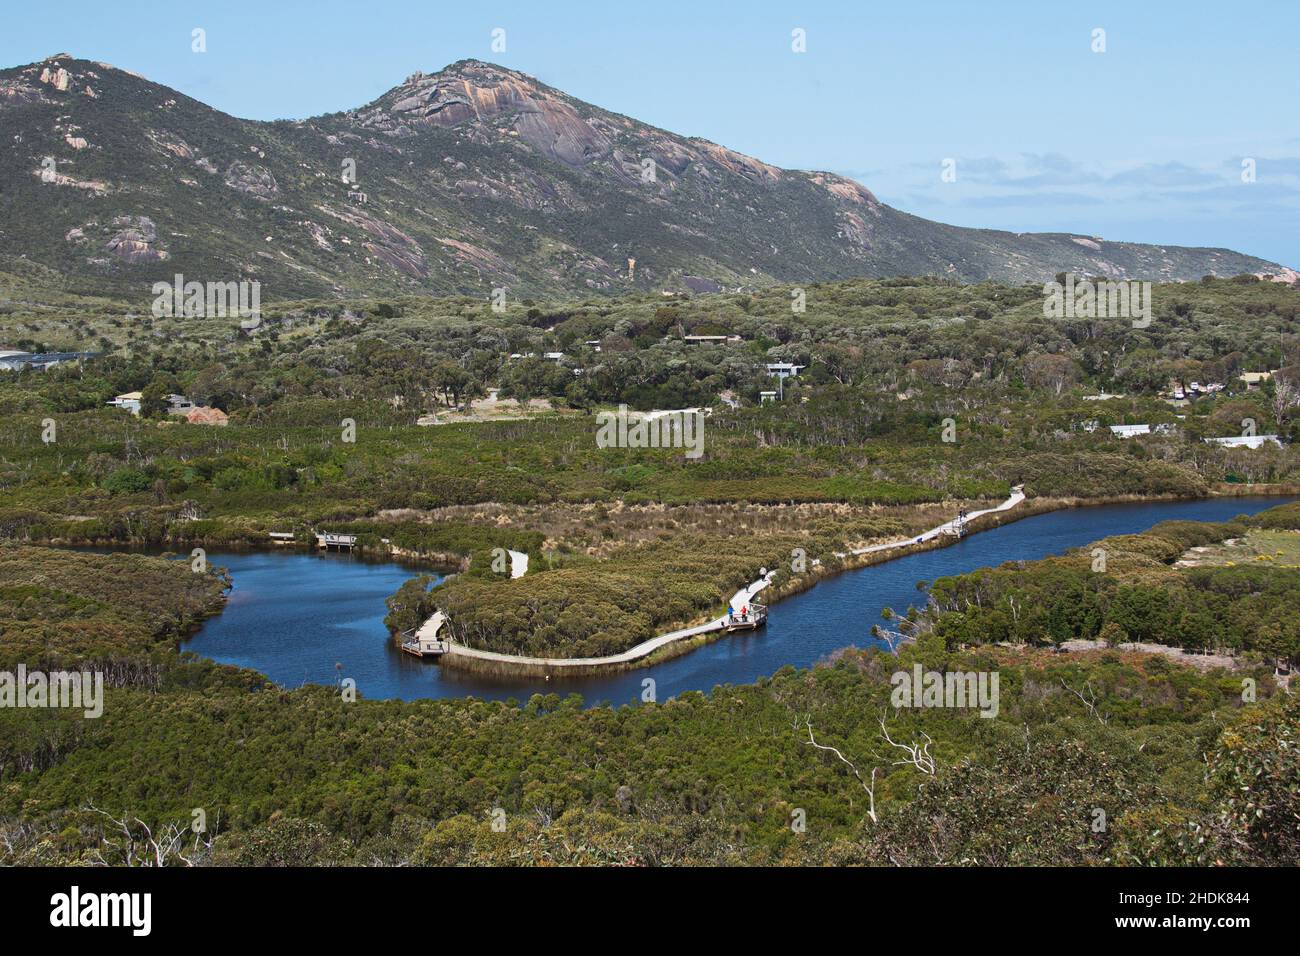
[(1280, 548)]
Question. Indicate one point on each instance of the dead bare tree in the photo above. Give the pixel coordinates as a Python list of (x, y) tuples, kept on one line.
[(1090, 702), (870, 788), (15, 838), (1286, 395), (918, 755), (892, 638), (135, 843)]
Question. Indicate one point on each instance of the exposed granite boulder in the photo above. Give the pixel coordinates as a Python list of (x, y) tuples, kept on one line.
[(319, 235), (479, 92), (59, 78), (846, 189), (18, 92), (477, 257), (95, 186), (136, 240), (173, 146), (252, 180), (205, 415), (754, 170), (1288, 276), (387, 243)]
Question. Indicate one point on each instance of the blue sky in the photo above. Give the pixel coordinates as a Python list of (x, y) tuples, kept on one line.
[(1143, 142)]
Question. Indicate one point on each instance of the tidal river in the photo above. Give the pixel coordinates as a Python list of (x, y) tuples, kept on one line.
[(302, 618)]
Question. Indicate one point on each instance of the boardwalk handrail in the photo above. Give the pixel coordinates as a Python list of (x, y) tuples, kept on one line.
[(334, 537), (745, 596)]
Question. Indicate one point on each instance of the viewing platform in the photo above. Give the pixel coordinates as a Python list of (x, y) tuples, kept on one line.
[(424, 640), (747, 618), (339, 542)]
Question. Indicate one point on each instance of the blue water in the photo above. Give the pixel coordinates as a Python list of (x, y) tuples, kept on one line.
[(294, 617), (310, 619)]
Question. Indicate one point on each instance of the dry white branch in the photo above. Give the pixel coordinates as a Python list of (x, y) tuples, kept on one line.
[(138, 846), (1089, 702), (869, 788), (918, 755)]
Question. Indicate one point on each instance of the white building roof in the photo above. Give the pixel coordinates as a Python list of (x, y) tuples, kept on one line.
[(1245, 441)]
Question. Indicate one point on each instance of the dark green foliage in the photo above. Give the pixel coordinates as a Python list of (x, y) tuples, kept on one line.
[(1138, 597), (303, 777)]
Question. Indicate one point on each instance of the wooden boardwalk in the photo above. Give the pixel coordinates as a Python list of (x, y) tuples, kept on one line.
[(955, 526), (424, 641), (576, 664), (740, 599)]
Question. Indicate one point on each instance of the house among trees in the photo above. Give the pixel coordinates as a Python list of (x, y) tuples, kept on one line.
[(1246, 441), (132, 401), (1129, 431), (128, 400), (179, 405), (1253, 380), (711, 339), (784, 370), (14, 360), (781, 371), (556, 357)]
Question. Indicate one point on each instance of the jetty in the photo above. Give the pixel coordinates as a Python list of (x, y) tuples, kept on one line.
[(329, 541), (424, 640), (750, 617), (325, 540)]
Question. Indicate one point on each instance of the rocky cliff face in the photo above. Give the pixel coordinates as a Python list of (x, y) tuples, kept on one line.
[(465, 180), (476, 93)]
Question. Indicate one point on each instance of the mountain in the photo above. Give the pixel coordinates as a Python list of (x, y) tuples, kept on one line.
[(470, 179)]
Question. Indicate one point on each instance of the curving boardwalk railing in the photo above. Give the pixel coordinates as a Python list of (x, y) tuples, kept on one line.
[(742, 597), (948, 527)]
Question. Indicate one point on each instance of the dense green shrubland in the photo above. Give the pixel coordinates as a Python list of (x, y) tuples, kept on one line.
[(1138, 596), (303, 776), (889, 361)]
